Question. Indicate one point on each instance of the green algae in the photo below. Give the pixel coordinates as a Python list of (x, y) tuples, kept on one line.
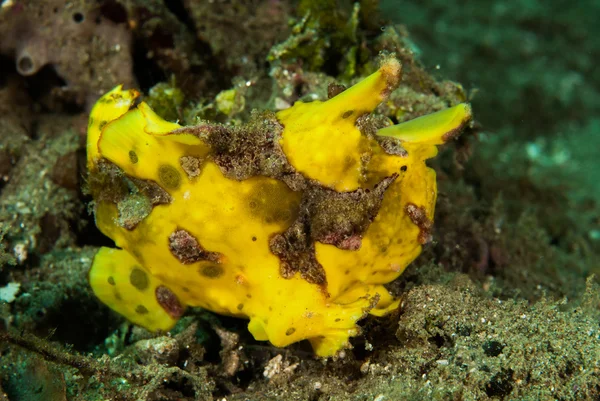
[(167, 100)]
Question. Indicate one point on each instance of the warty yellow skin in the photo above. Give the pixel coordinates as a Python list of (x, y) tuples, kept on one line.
[(235, 220)]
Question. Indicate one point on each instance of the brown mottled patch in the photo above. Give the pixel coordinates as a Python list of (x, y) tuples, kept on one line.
[(169, 301), (186, 248), (351, 243), (240, 306), (392, 146), (329, 217), (340, 219), (368, 124), (297, 254), (248, 151), (334, 89), (154, 192), (111, 280), (347, 114), (191, 165), (290, 331), (418, 215)]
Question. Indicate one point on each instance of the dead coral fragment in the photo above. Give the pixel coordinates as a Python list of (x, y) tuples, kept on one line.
[(295, 221)]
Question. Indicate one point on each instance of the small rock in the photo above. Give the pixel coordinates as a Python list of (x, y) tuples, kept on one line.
[(9, 292), (161, 350)]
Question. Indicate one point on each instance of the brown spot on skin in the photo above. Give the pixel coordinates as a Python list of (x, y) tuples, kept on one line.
[(169, 301), (351, 243), (118, 296), (133, 157), (369, 124), (154, 192), (391, 146), (211, 271), (297, 254), (338, 320), (139, 279), (240, 306), (141, 309), (169, 176), (290, 331), (101, 125), (329, 217), (186, 248), (347, 113), (249, 151), (111, 280), (418, 216), (334, 90), (191, 165), (340, 219)]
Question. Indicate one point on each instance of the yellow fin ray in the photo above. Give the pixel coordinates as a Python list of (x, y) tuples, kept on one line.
[(367, 94), (434, 129)]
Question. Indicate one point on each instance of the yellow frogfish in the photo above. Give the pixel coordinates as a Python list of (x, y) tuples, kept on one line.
[(294, 221)]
